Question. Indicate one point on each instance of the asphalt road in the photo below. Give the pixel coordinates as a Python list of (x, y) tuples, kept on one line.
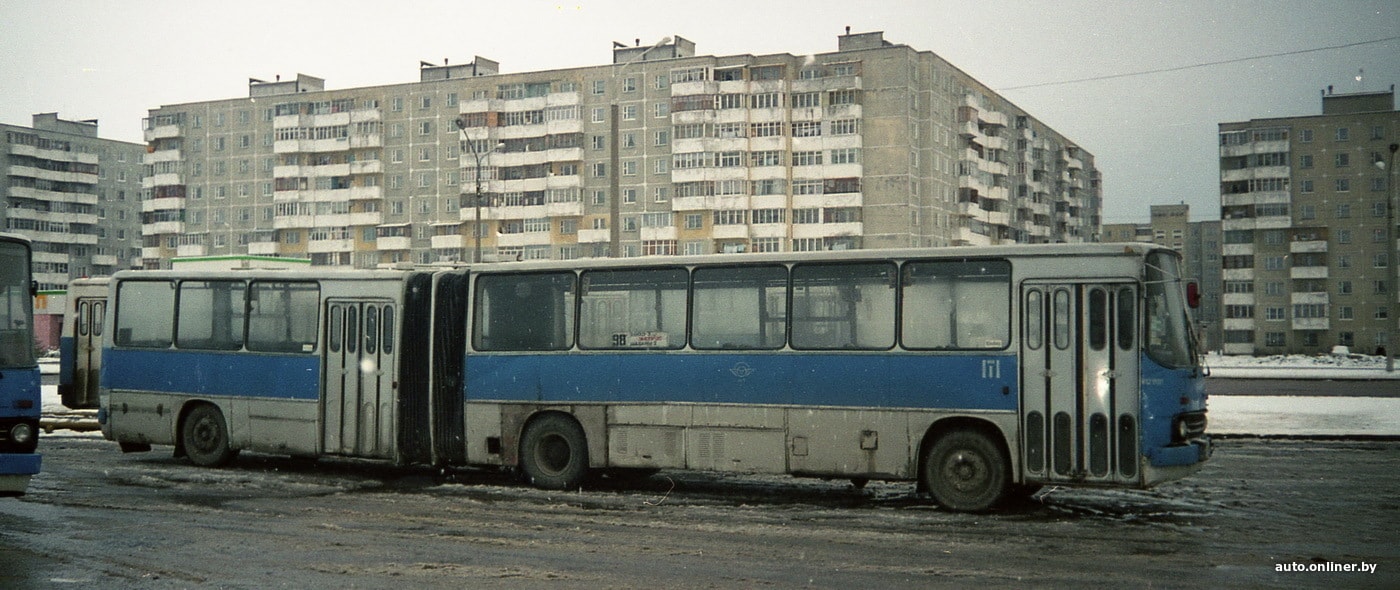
[(98, 518), (1318, 387)]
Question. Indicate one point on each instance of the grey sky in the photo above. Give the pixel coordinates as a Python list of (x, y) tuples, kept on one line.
[(1154, 135)]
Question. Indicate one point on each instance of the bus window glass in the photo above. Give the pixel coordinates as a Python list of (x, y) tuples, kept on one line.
[(144, 314), (337, 320), (1127, 320), (1035, 319), (16, 307), (843, 306), (738, 308), (210, 315), (1168, 337), (633, 309), (371, 329), (525, 312), (99, 315), (84, 312), (1061, 313), (1098, 319), (388, 326), (957, 305), (282, 316), (352, 329)]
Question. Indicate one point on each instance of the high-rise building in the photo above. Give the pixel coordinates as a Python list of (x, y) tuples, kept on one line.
[(1306, 218), (1199, 245), (660, 152), (76, 196)]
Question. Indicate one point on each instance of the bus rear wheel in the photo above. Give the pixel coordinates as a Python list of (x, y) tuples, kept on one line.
[(204, 436), (966, 471), (554, 452)]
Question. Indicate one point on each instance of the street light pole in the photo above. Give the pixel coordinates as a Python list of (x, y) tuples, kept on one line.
[(614, 155), (476, 198), (1391, 291)]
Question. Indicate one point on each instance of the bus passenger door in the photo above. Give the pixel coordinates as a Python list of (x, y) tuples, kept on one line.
[(357, 401), (87, 352), (1080, 404)]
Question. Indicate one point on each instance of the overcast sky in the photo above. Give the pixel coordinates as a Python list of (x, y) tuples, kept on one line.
[(1153, 135)]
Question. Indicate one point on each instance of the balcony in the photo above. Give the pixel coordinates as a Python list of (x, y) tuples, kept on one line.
[(162, 132), (1307, 272), (338, 245), (593, 236), (393, 243)]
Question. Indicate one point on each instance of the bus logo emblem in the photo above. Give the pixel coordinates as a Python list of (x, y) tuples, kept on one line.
[(741, 369), (991, 369)]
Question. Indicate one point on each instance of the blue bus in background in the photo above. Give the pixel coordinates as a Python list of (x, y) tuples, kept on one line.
[(20, 402), (978, 373)]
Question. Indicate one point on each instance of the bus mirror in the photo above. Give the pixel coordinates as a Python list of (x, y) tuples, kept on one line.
[(1193, 294), (33, 288)]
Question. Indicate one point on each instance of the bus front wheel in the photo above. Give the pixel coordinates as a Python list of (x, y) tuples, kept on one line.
[(204, 437), (554, 452), (966, 471)]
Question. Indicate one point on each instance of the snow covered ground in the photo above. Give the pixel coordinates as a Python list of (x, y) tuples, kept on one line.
[(1236, 414), (1347, 366)]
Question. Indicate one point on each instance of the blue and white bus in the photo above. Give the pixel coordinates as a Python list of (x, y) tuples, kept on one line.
[(20, 402), (80, 344), (977, 372)]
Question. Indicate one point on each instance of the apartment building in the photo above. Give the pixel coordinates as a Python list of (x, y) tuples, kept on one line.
[(660, 152), (76, 196), (1305, 206), (1199, 244)]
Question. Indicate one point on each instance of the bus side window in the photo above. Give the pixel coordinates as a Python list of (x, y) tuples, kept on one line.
[(210, 315), (957, 305), (525, 312), (633, 309), (843, 306), (739, 307), (282, 316), (145, 317)]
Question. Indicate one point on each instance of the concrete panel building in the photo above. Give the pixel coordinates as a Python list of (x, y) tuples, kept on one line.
[(75, 195), (660, 152), (1307, 220)]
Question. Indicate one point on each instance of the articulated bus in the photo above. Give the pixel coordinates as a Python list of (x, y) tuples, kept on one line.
[(19, 370), (978, 373)]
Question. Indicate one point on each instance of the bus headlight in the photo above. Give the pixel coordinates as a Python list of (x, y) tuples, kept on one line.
[(22, 434)]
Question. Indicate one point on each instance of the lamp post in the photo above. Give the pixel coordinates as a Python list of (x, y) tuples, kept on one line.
[(614, 157), (1390, 279), (461, 122)]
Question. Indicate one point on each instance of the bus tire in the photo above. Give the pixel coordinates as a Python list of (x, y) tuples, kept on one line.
[(554, 453), (966, 471), (204, 436)]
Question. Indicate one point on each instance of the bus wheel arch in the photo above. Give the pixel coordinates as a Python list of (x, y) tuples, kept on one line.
[(554, 451), (203, 435), (965, 465)]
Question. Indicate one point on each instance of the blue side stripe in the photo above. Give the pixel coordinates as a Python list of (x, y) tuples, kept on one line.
[(213, 373), (976, 382)]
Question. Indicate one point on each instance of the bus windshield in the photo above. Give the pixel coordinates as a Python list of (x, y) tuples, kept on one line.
[(16, 331), (1169, 340)]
